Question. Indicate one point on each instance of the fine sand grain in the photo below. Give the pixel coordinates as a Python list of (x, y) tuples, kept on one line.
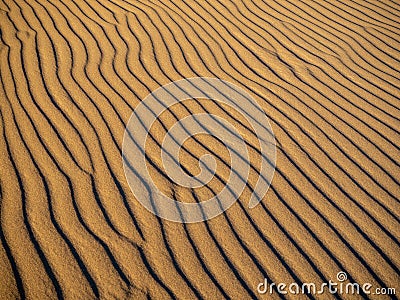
[(326, 73)]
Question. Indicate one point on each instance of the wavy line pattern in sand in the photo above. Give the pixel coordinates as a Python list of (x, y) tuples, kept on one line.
[(71, 73)]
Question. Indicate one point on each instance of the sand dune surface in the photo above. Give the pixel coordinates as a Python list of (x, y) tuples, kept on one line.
[(326, 76)]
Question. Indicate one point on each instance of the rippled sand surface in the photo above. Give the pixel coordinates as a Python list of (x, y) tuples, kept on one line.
[(326, 74)]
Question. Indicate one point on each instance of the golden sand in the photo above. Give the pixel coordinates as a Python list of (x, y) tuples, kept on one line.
[(326, 73)]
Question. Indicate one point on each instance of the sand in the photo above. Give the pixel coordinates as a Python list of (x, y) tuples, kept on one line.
[(72, 72)]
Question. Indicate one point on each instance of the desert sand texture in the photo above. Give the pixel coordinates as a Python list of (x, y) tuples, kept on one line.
[(325, 73)]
